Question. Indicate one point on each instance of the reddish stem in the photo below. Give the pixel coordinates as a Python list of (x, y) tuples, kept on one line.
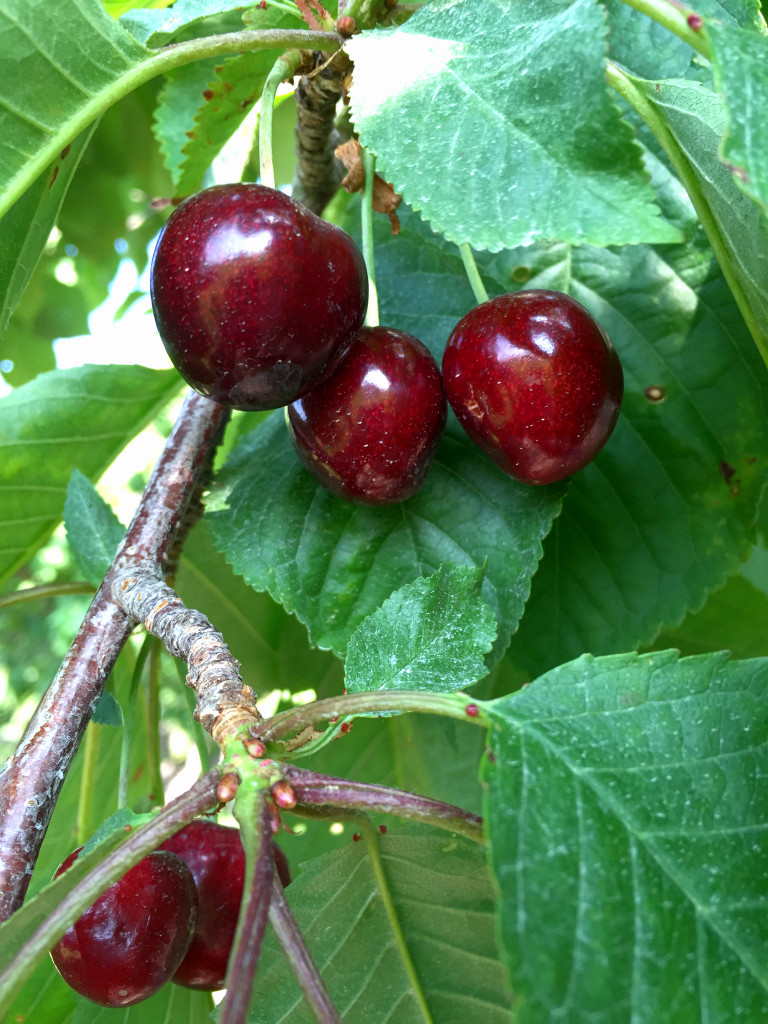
[(31, 780)]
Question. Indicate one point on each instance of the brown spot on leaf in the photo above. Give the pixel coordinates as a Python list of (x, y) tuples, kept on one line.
[(65, 152), (208, 94), (54, 176)]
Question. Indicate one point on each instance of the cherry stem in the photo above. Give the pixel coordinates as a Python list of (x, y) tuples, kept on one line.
[(369, 166), (450, 705), (327, 796), (283, 68), (254, 816), (303, 966), (676, 18), (473, 273), (80, 885), (46, 590)]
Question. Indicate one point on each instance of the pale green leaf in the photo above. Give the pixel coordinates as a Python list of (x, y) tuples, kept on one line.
[(496, 124), (24, 230), (740, 62), (431, 634), (93, 529), (82, 417), (627, 822), (58, 60)]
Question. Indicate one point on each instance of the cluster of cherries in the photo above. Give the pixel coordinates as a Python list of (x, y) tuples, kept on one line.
[(260, 304), (172, 917)]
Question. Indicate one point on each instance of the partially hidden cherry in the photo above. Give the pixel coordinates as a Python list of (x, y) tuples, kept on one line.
[(254, 295), (535, 382), (370, 430), (214, 855), (130, 942)]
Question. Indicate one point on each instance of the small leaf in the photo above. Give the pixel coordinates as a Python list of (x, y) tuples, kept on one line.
[(82, 417), (24, 230), (740, 64), (626, 815), (93, 529), (524, 139), (429, 635), (107, 711), (445, 904), (158, 27)]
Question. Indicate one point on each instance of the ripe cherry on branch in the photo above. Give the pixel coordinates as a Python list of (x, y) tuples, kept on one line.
[(129, 943), (370, 430), (535, 382), (254, 296), (214, 855)]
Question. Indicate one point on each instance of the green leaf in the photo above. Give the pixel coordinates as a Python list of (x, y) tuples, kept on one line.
[(170, 1005), (626, 815), (93, 529), (523, 127), (107, 711), (740, 64), (332, 563), (270, 645), (642, 45), (81, 417), (29, 354), (178, 103), (158, 27), (429, 635), (24, 230), (696, 118), (668, 507), (46, 997), (445, 904), (227, 99), (50, 79)]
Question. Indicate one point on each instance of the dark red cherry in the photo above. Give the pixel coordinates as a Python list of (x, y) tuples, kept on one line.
[(535, 382), (129, 943), (369, 432), (214, 855), (254, 295)]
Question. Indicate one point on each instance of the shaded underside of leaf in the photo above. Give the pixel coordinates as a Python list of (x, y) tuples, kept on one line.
[(56, 56), (628, 829), (445, 903), (535, 149), (82, 417)]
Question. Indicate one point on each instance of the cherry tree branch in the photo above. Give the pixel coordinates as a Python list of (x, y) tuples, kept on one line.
[(324, 795), (31, 779), (223, 702)]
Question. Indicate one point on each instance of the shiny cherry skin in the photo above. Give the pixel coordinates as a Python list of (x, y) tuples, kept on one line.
[(254, 295), (129, 943), (369, 432), (535, 382), (214, 855)]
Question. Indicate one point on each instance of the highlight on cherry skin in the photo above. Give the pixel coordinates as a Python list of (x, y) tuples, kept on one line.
[(133, 938), (369, 432), (535, 381), (214, 855), (254, 296)]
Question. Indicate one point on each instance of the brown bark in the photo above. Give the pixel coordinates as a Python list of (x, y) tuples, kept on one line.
[(31, 779)]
